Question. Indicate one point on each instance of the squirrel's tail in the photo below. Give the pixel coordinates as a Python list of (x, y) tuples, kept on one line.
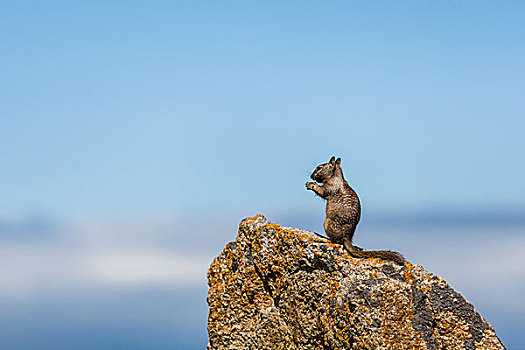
[(381, 254)]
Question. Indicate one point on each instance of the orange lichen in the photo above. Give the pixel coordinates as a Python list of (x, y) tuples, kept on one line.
[(309, 291)]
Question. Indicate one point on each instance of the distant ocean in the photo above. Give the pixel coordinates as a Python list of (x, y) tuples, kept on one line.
[(143, 286)]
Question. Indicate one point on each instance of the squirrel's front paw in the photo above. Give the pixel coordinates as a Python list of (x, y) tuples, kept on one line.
[(310, 185)]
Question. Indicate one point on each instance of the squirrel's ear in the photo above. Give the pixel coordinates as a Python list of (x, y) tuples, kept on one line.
[(338, 161), (332, 160)]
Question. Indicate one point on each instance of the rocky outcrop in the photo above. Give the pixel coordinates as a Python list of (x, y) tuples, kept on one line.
[(277, 287)]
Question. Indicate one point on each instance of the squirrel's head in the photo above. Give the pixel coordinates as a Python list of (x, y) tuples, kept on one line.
[(326, 171)]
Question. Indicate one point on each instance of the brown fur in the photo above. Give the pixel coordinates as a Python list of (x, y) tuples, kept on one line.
[(343, 210)]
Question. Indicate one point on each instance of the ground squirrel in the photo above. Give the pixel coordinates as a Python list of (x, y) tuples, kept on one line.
[(343, 210)]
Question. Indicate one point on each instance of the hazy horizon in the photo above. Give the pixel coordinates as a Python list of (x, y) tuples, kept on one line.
[(142, 283)]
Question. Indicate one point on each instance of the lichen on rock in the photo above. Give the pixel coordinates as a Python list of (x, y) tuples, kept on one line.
[(278, 287)]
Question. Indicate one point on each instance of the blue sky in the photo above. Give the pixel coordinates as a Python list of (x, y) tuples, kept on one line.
[(139, 134), (131, 107)]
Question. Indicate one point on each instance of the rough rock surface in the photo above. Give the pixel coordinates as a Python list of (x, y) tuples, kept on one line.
[(277, 287)]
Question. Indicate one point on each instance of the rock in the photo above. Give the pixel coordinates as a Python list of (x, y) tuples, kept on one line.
[(278, 287)]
